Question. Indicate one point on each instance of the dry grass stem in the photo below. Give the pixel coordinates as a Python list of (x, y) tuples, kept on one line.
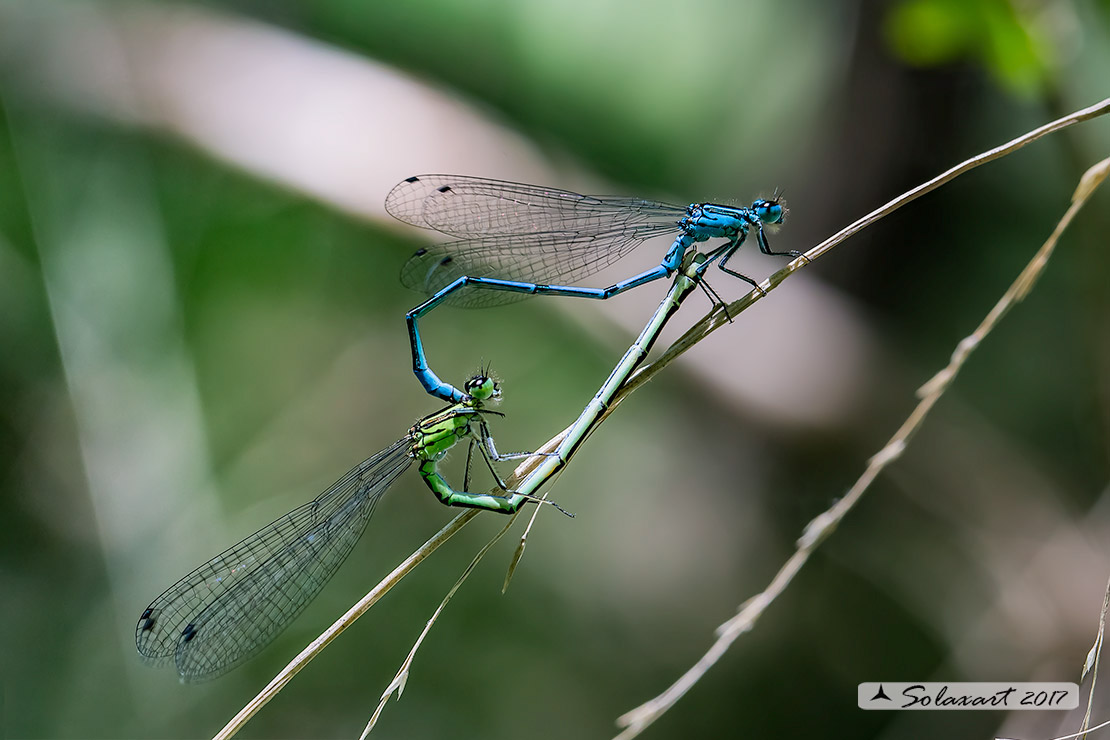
[(815, 532), (356, 611), (635, 721), (402, 677)]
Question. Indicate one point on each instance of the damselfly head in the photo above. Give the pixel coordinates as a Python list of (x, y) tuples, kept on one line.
[(482, 387), (770, 210)]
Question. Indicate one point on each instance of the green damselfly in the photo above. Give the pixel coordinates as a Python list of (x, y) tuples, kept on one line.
[(232, 606)]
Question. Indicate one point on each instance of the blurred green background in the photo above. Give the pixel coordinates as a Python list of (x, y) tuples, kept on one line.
[(201, 327)]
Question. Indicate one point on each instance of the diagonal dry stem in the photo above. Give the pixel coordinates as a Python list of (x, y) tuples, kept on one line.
[(711, 322), (402, 677), (286, 674), (1090, 665), (635, 721)]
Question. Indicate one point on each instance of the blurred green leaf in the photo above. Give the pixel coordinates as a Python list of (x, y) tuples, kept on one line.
[(930, 32), (1012, 45)]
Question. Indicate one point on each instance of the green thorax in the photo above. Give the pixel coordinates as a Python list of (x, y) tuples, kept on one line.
[(434, 435)]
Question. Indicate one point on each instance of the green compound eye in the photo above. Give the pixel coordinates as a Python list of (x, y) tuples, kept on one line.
[(480, 387)]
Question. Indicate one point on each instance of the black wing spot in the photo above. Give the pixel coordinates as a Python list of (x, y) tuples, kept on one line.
[(414, 178), (444, 189), (445, 261), (420, 252), (189, 632)]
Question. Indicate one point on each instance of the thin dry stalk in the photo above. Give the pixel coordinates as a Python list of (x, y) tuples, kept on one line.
[(356, 611), (824, 524), (707, 325), (402, 677)]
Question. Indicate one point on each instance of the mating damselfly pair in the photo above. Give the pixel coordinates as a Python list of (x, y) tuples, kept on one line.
[(514, 241)]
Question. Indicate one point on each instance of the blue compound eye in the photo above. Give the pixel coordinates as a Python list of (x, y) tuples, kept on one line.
[(769, 211)]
